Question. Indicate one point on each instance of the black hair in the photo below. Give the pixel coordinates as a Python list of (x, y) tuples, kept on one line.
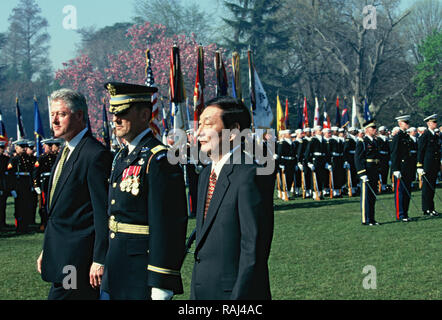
[(234, 112)]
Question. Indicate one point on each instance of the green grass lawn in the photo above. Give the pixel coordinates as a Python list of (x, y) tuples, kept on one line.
[(319, 251)]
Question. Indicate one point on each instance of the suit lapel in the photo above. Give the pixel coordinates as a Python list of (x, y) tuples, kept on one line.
[(67, 168), (203, 184), (221, 187)]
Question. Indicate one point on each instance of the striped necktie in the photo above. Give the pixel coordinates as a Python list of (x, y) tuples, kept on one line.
[(210, 190), (64, 155)]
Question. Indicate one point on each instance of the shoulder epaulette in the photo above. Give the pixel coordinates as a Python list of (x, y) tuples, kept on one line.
[(158, 148), (154, 151)]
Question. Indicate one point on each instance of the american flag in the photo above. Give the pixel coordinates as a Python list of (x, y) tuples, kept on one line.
[(150, 82)]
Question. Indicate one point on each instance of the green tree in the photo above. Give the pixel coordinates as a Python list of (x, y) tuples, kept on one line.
[(428, 79), (28, 40)]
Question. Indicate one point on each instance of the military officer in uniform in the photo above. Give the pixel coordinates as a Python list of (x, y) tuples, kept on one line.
[(42, 172), (428, 164), (4, 160), (147, 206), (402, 164), (384, 153), (367, 164), (337, 162), (20, 170), (412, 132), (305, 171)]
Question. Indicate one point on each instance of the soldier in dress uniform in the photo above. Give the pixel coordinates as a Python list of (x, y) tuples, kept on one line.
[(412, 132), (20, 169), (4, 160), (337, 162), (384, 153), (428, 164), (349, 158), (147, 206), (287, 158), (316, 156), (402, 164), (302, 163), (298, 173), (42, 172), (367, 164), (193, 168)]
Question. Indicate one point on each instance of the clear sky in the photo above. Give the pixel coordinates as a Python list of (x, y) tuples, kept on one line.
[(97, 13)]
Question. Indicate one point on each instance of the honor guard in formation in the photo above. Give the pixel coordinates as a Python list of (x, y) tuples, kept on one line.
[(305, 171), (402, 167), (367, 164), (428, 164), (42, 172), (384, 154), (316, 157), (349, 161), (147, 206), (336, 152), (20, 170), (4, 190), (287, 160)]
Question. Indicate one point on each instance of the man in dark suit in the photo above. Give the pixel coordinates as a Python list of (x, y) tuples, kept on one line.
[(75, 241), (147, 205), (234, 226), (428, 164), (402, 164)]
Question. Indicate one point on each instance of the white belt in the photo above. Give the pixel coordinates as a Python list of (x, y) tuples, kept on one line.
[(318, 154), (352, 152), (413, 151), (383, 152), (46, 174), (288, 158), (337, 154), (23, 173)]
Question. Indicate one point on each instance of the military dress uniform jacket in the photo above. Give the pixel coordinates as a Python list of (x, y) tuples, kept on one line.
[(76, 232), (401, 155), (429, 152), (147, 196), (42, 172), (233, 242)]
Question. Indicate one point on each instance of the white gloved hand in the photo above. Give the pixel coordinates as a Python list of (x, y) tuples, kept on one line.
[(161, 294), (14, 194), (328, 167), (300, 166), (311, 166), (37, 190), (420, 171), (397, 174), (346, 165), (364, 178), (281, 167)]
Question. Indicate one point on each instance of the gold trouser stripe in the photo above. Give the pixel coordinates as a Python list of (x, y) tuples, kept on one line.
[(163, 270), (115, 226), (363, 202)]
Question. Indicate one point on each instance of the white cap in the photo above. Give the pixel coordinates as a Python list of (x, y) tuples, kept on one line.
[(403, 118), (317, 128)]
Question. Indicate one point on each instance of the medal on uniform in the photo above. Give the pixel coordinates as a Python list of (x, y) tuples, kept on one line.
[(136, 181)]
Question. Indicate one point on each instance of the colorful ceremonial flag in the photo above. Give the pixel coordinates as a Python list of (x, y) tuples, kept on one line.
[(150, 82), (338, 114), (261, 111), (105, 132), (287, 122), (21, 134), (316, 120), (367, 114), (236, 76), (280, 117), (221, 76), (198, 93), (3, 134), (38, 129), (326, 122), (305, 114), (354, 115), (345, 119), (177, 91)]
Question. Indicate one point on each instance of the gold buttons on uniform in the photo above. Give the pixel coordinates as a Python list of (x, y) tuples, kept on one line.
[(112, 235), (114, 185), (113, 202)]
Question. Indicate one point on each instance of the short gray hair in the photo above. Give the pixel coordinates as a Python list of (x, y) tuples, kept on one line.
[(74, 100)]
